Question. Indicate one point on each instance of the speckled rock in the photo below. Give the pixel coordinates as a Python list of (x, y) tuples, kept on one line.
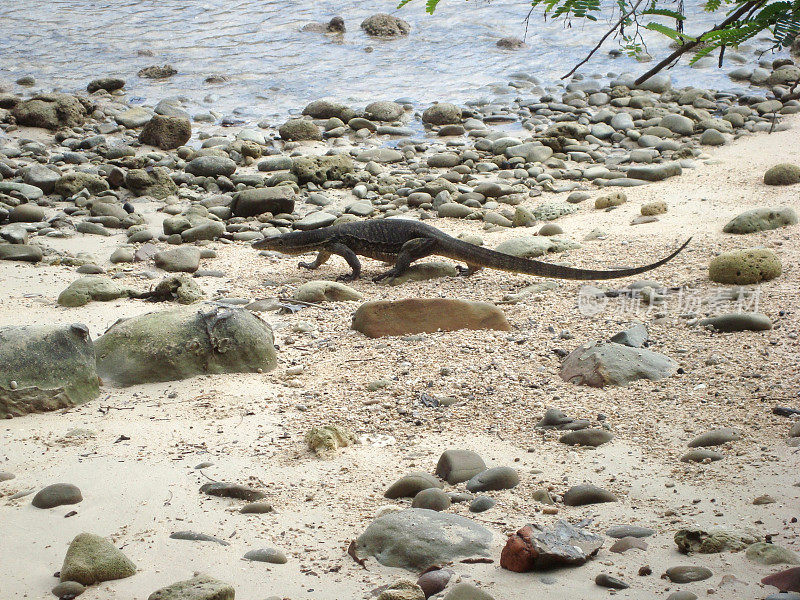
[(200, 587), (761, 219), (782, 174), (744, 267)]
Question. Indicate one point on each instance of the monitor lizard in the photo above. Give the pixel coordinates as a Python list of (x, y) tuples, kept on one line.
[(402, 241)]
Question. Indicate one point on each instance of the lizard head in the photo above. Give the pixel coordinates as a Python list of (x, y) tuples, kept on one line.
[(294, 242)]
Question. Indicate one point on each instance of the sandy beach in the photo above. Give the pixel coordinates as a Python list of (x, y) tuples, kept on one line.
[(133, 451)]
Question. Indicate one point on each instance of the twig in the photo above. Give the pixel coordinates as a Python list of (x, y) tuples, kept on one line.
[(351, 551), (622, 19), (689, 45), (301, 303)]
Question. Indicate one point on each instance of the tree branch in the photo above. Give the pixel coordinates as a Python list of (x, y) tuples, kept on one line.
[(747, 6), (622, 19)]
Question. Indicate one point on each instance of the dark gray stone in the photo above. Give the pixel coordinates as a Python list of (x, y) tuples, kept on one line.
[(57, 494)]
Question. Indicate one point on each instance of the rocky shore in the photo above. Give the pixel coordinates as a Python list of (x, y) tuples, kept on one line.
[(191, 419)]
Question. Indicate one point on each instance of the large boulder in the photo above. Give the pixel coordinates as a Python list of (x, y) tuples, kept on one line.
[(599, 364), (184, 342), (426, 315), (417, 538), (200, 587), (275, 200), (166, 132), (93, 559), (761, 219), (297, 130), (51, 111), (319, 169), (383, 25), (45, 368), (744, 267), (152, 181)]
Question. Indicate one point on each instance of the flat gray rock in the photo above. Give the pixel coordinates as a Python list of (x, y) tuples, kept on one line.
[(417, 538), (598, 364), (715, 437), (733, 322)]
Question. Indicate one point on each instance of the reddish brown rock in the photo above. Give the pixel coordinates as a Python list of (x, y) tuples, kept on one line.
[(785, 581), (533, 547), (426, 315)]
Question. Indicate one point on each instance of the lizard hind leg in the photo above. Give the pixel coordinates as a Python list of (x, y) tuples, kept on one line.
[(412, 250)]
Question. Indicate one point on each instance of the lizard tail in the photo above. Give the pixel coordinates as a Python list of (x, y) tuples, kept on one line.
[(484, 257)]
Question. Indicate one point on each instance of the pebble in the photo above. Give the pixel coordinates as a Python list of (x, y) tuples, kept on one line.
[(481, 504), (267, 555), (688, 574), (605, 580)]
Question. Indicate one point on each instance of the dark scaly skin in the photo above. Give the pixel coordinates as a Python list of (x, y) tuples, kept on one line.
[(402, 242)]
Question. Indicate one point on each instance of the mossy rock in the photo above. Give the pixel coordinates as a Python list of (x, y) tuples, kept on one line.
[(84, 290), (184, 342), (200, 587), (324, 441), (744, 267), (93, 559), (782, 174), (612, 199), (659, 207), (319, 169), (51, 367)]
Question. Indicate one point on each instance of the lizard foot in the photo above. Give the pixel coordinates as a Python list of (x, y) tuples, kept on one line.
[(346, 278), (390, 274), (306, 265)]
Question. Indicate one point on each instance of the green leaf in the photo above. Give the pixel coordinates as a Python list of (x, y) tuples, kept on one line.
[(659, 11), (430, 6), (403, 3), (668, 31)]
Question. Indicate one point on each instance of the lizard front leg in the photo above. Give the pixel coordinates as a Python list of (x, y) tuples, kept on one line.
[(322, 257), (412, 250), (346, 253)]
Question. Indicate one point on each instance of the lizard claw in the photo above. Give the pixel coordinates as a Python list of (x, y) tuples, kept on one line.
[(305, 265), (346, 278)]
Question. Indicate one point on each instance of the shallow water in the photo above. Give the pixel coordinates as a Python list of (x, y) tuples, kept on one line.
[(275, 68)]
